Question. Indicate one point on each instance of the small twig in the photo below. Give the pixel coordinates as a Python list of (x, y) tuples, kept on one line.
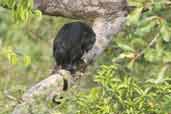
[(150, 45), (10, 96), (136, 55), (153, 41)]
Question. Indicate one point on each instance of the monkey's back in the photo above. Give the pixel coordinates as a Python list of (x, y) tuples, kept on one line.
[(68, 47)]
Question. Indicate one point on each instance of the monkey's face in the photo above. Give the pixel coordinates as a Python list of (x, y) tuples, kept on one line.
[(88, 40)]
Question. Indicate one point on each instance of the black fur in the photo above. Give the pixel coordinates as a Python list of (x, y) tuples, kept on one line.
[(71, 42)]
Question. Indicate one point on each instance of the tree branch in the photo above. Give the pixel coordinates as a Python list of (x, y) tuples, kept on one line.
[(107, 18), (48, 88), (105, 29), (81, 9)]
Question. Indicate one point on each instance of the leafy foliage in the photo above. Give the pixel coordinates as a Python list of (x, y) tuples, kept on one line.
[(124, 95), (137, 80), (25, 55), (20, 9)]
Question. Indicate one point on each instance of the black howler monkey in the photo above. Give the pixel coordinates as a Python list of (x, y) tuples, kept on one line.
[(71, 42)]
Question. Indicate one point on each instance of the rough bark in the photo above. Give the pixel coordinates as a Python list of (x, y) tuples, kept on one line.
[(105, 29), (107, 18), (48, 88), (83, 9)]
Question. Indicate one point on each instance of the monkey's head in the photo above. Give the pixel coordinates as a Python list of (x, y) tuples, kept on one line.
[(88, 39)]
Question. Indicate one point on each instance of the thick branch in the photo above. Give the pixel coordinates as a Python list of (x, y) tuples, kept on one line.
[(81, 9), (48, 88), (105, 29)]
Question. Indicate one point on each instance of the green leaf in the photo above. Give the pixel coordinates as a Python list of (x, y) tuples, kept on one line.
[(165, 32), (27, 60), (138, 43), (133, 18), (153, 55), (167, 57), (37, 13), (146, 28), (12, 58), (125, 47), (157, 6)]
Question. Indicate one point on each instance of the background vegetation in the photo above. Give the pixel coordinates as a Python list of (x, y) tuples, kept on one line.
[(132, 77)]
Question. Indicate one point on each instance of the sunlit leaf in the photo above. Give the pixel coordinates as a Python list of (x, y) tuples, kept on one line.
[(134, 16), (125, 47), (27, 60), (165, 32)]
